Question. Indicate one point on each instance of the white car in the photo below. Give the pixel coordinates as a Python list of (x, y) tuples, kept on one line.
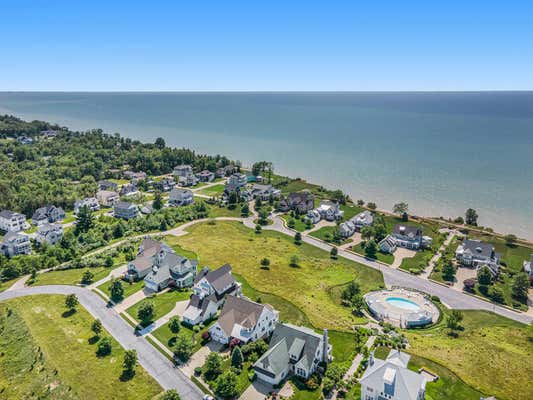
[(207, 397)]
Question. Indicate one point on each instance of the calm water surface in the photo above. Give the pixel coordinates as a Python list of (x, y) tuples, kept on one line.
[(439, 152)]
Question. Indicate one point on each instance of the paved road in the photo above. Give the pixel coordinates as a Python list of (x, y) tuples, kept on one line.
[(158, 366), (397, 277)]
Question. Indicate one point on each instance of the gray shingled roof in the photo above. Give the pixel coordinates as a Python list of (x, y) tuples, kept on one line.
[(219, 278), (478, 248)]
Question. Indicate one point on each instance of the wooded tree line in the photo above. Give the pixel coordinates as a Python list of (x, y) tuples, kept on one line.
[(67, 167)]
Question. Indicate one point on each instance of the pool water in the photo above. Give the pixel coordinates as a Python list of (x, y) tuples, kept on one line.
[(403, 303)]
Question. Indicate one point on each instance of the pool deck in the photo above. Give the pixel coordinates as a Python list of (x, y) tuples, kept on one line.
[(418, 310)]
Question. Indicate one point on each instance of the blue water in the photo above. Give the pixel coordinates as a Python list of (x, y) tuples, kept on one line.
[(439, 152), (403, 303)]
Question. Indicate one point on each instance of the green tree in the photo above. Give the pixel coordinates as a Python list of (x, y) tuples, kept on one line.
[(295, 260), (400, 208), (130, 361), (183, 347), (160, 143), (105, 347), (174, 324), (497, 295), (520, 286), (87, 277), (71, 302), (146, 312), (371, 248), (291, 223), (367, 232), (236, 357), (118, 230), (170, 395), (116, 289), (333, 252), (484, 276), (298, 238), (158, 201), (258, 228), (96, 327), (226, 385), (84, 220), (471, 217), (213, 366), (245, 210), (510, 239), (448, 270), (109, 261), (265, 262), (453, 321), (371, 205)]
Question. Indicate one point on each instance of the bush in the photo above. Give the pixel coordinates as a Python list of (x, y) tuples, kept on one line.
[(104, 347), (435, 299), (198, 371)]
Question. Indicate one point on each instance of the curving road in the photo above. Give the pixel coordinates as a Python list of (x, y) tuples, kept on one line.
[(157, 365)]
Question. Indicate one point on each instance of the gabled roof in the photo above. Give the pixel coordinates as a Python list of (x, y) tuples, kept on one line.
[(11, 236), (407, 230), (393, 374), (8, 214), (239, 311), (219, 279), (478, 248)]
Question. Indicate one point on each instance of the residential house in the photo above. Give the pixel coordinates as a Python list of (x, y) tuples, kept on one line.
[(134, 177), (390, 379), (25, 140), (185, 175), (407, 236), (169, 268), (125, 210), (147, 209), (90, 202), (49, 213), (15, 243), (301, 202), (209, 291), (264, 192), (236, 181), (528, 267), (142, 264), (11, 221), (129, 189), (49, 233), (48, 134), (165, 184), (107, 185), (205, 176), (292, 350), (107, 198), (356, 223), (225, 171), (328, 210), (476, 254), (180, 197), (244, 320)]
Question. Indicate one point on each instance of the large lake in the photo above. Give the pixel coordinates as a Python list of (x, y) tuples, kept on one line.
[(439, 152)]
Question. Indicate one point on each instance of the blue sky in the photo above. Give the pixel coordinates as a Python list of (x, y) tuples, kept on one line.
[(270, 45)]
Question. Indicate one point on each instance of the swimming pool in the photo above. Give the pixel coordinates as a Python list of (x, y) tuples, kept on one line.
[(402, 303)]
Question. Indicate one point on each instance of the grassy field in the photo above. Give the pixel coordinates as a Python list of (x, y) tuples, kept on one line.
[(48, 356), (7, 284), (129, 288), (216, 211), (492, 354), (163, 303), (305, 285), (383, 257), (70, 276), (299, 225), (211, 191), (448, 386), (165, 335), (172, 241), (326, 234)]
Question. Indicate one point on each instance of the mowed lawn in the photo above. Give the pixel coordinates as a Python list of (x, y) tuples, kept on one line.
[(129, 288), (305, 285), (46, 355), (492, 354), (383, 257), (163, 303), (70, 276), (4, 285), (215, 190)]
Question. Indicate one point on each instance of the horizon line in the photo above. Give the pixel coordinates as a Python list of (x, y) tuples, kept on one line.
[(273, 91)]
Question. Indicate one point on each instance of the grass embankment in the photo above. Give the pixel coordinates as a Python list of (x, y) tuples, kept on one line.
[(168, 338), (129, 288), (4, 285), (70, 276), (299, 225), (163, 304), (383, 257), (492, 354), (47, 355), (305, 285)]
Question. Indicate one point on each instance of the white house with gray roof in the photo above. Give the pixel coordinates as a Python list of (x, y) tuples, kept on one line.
[(180, 197), (169, 268), (328, 210), (477, 254), (15, 244), (11, 221), (244, 320), (293, 350), (49, 233), (125, 210), (185, 175), (142, 264), (390, 379), (90, 202), (264, 192), (49, 213), (209, 291)]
